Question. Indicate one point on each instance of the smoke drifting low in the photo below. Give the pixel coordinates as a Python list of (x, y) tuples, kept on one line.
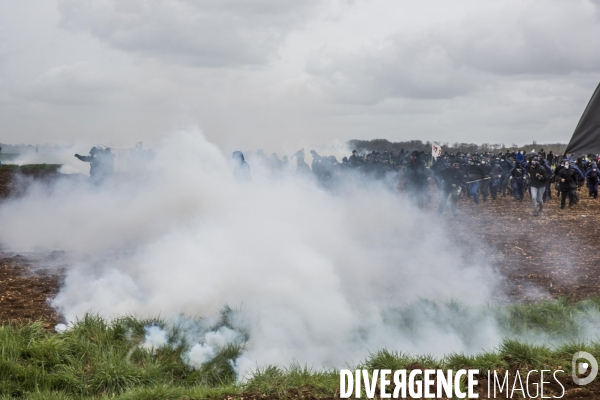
[(312, 272)]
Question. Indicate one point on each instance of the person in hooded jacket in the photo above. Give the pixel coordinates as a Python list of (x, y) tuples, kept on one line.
[(496, 178), (567, 184), (241, 171), (416, 176), (97, 167), (507, 166), (475, 175), (518, 182), (520, 157), (550, 158), (548, 191), (559, 166), (592, 180), (579, 180), (302, 168), (484, 187), (354, 158), (581, 163), (452, 179), (538, 176)]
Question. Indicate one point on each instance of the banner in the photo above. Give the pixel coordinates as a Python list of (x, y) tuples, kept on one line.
[(586, 138), (436, 150)]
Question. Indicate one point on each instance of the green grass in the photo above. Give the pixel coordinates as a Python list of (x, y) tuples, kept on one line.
[(103, 359), (29, 168)]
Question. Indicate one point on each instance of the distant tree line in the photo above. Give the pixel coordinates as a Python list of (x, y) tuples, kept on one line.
[(363, 146), (26, 148)]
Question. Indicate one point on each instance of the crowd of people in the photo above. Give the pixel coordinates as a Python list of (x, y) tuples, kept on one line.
[(478, 176)]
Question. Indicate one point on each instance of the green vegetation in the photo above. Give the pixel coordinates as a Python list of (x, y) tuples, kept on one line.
[(30, 168), (100, 359)]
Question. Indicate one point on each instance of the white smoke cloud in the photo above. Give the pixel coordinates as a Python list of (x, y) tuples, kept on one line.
[(199, 354), (155, 338), (311, 270)]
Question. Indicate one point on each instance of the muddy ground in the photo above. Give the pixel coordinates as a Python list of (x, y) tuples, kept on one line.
[(550, 256), (25, 291)]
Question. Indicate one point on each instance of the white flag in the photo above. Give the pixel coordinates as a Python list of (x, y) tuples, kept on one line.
[(436, 150)]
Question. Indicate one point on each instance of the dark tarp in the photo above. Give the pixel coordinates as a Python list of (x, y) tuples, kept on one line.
[(586, 138)]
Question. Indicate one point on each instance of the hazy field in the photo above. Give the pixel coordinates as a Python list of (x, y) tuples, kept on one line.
[(540, 305)]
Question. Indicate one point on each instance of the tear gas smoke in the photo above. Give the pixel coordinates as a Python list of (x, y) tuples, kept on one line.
[(311, 271)]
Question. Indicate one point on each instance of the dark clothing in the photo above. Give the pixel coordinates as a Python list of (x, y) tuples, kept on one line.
[(567, 184), (506, 166), (592, 181), (517, 172), (518, 181), (592, 176), (538, 176), (593, 189), (475, 172), (496, 175), (518, 188), (497, 170), (484, 186), (475, 175), (451, 176), (354, 159), (452, 179), (95, 164), (416, 180), (570, 179), (564, 195)]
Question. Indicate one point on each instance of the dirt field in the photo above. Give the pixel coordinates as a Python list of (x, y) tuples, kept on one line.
[(550, 256), (544, 257), (25, 291)]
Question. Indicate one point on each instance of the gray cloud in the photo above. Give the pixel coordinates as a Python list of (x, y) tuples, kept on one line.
[(75, 84), (213, 33), (554, 38), (399, 67), (464, 54), (281, 75)]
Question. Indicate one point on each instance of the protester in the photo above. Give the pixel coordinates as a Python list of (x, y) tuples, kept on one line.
[(101, 164), (241, 172), (475, 174), (538, 176)]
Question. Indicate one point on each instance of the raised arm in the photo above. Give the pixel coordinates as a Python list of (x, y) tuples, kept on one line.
[(84, 158)]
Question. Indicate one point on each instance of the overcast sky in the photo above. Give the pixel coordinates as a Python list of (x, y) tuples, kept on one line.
[(277, 74)]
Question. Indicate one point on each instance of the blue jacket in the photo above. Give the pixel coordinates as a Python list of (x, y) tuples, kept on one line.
[(520, 157), (547, 166), (592, 176)]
